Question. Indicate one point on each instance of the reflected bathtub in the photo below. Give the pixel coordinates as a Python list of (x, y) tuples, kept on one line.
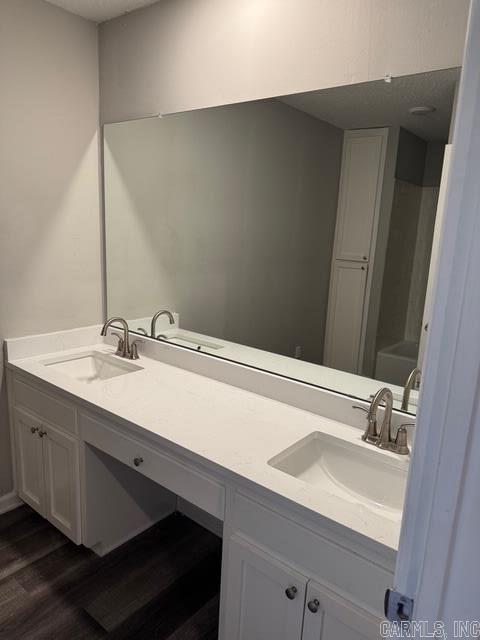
[(396, 361)]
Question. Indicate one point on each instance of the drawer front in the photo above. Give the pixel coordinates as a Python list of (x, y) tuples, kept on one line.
[(340, 569), (56, 412), (182, 479)]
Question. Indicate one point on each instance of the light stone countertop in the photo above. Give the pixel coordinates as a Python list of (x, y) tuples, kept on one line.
[(341, 381), (237, 431)]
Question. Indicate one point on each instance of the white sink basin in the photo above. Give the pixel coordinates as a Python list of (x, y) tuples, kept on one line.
[(189, 341), (356, 471), (92, 366)]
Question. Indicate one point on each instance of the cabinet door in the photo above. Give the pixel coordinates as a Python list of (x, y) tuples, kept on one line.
[(264, 597), (328, 616), (30, 476), (345, 316), (62, 481), (360, 192)]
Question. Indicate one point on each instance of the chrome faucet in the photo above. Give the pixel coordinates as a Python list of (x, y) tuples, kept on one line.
[(412, 382), (383, 438), (124, 349), (164, 312), (372, 434)]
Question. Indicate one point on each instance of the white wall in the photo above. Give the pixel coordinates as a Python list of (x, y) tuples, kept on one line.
[(50, 268), (185, 54), (226, 216)]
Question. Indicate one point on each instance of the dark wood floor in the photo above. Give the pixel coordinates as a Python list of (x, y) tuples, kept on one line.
[(162, 585)]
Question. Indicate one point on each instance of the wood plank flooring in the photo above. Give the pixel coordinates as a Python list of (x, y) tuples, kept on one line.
[(162, 585)]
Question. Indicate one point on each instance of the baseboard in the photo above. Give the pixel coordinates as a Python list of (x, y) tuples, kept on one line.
[(201, 517), (9, 502)]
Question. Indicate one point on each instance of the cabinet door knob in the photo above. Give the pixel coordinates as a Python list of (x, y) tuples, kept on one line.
[(137, 461), (42, 433), (34, 429), (313, 605), (291, 592)]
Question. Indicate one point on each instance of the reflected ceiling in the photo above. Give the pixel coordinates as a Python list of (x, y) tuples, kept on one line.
[(379, 104), (101, 10)]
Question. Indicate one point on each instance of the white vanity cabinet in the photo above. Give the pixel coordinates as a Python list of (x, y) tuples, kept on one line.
[(269, 600), (284, 580), (48, 471), (265, 596), (287, 573), (328, 616), (29, 456)]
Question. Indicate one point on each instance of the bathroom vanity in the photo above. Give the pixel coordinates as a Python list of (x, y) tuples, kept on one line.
[(309, 514)]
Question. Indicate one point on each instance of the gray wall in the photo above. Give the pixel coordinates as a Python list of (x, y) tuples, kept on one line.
[(226, 216), (50, 276), (186, 54), (417, 180)]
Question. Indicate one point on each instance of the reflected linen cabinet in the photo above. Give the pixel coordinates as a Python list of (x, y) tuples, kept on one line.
[(363, 216)]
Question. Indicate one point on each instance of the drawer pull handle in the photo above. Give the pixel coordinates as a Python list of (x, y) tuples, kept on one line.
[(313, 605), (34, 429), (291, 592), (137, 461)]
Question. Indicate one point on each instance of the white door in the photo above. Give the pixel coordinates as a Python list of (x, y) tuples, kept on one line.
[(328, 616), (432, 273), (360, 192), (62, 481), (30, 477), (265, 598), (438, 564), (345, 316)]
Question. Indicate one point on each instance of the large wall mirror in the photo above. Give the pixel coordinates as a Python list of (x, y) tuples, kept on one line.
[(296, 235)]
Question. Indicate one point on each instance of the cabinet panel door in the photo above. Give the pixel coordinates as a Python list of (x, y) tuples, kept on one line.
[(335, 618), (62, 481), (345, 316), (30, 475), (360, 193), (257, 607)]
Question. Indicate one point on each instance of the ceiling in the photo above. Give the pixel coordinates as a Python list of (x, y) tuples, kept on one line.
[(101, 10), (380, 104)]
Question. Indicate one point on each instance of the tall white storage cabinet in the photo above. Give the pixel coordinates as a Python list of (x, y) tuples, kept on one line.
[(359, 202)]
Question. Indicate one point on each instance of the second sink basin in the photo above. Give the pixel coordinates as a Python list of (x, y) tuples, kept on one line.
[(92, 366), (186, 340), (355, 471)]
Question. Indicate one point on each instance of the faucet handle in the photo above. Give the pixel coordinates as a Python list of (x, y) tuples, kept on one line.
[(134, 349), (142, 331), (400, 445), (370, 434), (121, 344), (357, 406)]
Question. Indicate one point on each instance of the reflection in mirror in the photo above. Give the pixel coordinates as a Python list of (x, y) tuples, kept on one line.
[(291, 234)]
